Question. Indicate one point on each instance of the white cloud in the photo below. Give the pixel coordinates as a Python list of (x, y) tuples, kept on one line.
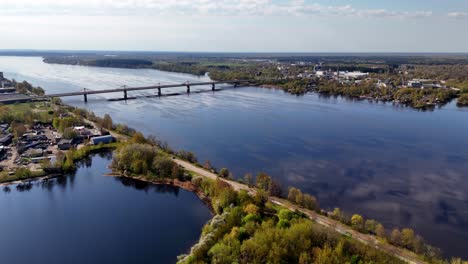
[(204, 7), (458, 15)]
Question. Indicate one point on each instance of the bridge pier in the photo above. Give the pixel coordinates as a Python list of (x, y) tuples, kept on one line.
[(213, 87), (188, 89), (159, 92), (125, 95), (85, 97)]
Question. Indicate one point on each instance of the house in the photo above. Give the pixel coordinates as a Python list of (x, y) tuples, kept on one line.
[(3, 152), (6, 140), (102, 139), (4, 128), (4, 89), (79, 129), (65, 144)]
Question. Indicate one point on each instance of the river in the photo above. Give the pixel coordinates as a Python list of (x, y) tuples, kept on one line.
[(401, 166), (91, 218)]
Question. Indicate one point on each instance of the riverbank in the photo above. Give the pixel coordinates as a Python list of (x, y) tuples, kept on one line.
[(186, 185), (29, 180)]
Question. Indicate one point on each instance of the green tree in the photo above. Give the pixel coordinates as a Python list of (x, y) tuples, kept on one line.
[(263, 181), (162, 167), (293, 193), (248, 179), (69, 133), (224, 173), (310, 202), (337, 214), (275, 189)]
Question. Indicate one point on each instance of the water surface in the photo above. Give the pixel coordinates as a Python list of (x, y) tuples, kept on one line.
[(400, 166), (90, 218)]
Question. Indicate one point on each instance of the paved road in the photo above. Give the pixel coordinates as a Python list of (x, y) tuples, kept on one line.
[(320, 219)]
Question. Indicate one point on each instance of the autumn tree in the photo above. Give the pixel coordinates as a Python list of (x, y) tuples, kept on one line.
[(370, 226), (107, 122), (357, 222), (380, 231), (395, 237), (407, 238)]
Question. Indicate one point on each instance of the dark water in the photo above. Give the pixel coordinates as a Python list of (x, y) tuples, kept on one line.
[(91, 218), (400, 166)]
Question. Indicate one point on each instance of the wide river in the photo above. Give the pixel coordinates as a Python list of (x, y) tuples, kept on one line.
[(403, 167)]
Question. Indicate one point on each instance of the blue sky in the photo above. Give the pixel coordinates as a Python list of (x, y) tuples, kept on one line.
[(236, 25)]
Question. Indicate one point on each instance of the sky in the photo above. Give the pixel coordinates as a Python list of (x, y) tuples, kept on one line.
[(236, 25)]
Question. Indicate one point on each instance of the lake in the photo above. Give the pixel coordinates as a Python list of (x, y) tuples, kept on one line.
[(401, 166), (91, 218)]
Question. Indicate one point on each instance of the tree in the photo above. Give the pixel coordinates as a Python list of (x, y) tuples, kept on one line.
[(292, 194), (162, 167), (310, 202), (224, 173), (263, 181), (69, 133), (370, 226), (138, 138), (18, 129), (177, 172), (260, 198), (300, 199), (107, 122), (275, 188), (251, 209), (395, 237), (357, 222), (187, 155), (380, 231), (336, 214), (407, 238), (207, 165), (305, 258), (248, 179)]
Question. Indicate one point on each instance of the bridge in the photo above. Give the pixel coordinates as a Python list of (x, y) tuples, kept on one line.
[(125, 90)]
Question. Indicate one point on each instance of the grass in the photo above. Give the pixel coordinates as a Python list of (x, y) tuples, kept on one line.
[(35, 107), (20, 174)]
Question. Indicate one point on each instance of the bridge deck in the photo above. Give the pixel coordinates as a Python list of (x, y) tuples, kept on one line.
[(129, 89)]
